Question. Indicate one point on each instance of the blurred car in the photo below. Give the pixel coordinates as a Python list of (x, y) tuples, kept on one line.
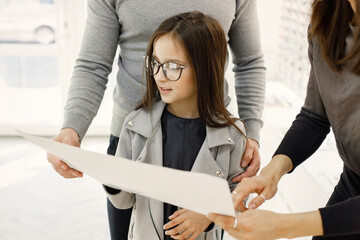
[(27, 21)]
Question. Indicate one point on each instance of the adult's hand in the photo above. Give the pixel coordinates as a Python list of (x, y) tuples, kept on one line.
[(250, 159), (265, 185), (68, 136), (251, 225), (266, 225)]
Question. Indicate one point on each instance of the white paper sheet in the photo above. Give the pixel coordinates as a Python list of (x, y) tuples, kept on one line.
[(197, 192)]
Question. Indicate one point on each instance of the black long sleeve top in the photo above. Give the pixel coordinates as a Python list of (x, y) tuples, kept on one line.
[(332, 99), (300, 142)]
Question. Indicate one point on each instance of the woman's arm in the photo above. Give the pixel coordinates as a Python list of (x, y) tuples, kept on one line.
[(266, 225), (304, 137), (337, 220), (342, 218)]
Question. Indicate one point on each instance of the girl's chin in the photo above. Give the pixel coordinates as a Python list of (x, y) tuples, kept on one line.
[(165, 99)]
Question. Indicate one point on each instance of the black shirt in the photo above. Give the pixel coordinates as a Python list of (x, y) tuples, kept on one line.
[(300, 142), (182, 140)]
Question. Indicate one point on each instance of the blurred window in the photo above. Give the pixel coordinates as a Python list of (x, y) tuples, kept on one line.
[(27, 21), (30, 91)]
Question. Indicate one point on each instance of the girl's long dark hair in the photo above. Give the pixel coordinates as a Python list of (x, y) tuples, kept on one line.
[(205, 44), (330, 25)]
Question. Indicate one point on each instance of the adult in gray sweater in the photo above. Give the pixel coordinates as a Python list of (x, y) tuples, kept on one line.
[(129, 24)]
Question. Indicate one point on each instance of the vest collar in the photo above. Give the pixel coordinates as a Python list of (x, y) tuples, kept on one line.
[(144, 123)]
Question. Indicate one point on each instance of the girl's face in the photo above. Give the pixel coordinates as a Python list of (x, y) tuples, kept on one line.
[(180, 95)]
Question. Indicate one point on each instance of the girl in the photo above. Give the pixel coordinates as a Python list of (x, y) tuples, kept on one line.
[(333, 100), (181, 123)]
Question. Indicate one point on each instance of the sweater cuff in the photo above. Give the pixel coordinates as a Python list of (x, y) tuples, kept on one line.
[(253, 129), (341, 219), (77, 122)]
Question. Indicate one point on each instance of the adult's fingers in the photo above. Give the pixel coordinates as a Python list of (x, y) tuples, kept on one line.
[(240, 207), (258, 201), (70, 137), (248, 153), (250, 159), (250, 172), (251, 148), (62, 168), (244, 189)]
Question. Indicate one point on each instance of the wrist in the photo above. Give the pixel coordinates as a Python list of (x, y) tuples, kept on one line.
[(300, 225), (71, 131), (255, 141), (284, 226), (277, 168)]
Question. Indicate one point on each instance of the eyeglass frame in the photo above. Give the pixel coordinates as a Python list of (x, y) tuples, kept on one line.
[(161, 65)]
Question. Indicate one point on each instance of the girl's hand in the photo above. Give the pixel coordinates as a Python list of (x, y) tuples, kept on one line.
[(186, 223)]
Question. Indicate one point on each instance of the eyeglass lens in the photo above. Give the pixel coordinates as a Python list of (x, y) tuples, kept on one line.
[(171, 70)]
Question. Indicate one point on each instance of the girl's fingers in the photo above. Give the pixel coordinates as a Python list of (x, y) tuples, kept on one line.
[(173, 223), (177, 213), (183, 235), (180, 228)]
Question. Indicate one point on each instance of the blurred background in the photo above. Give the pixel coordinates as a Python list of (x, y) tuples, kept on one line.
[(39, 42)]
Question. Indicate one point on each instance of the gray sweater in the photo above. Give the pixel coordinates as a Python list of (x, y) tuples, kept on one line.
[(334, 97), (129, 24)]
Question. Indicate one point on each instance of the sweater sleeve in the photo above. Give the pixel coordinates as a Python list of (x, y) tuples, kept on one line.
[(249, 69), (303, 138), (310, 127), (93, 66), (341, 218)]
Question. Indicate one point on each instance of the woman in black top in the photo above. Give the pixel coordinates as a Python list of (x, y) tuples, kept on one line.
[(332, 100)]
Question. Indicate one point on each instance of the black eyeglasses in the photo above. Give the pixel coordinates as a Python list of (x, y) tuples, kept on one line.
[(172, 71)]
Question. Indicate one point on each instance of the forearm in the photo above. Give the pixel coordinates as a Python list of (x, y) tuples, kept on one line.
[(250, 93), (299, 224), (92, 67), (304, 137), (249, 66)]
